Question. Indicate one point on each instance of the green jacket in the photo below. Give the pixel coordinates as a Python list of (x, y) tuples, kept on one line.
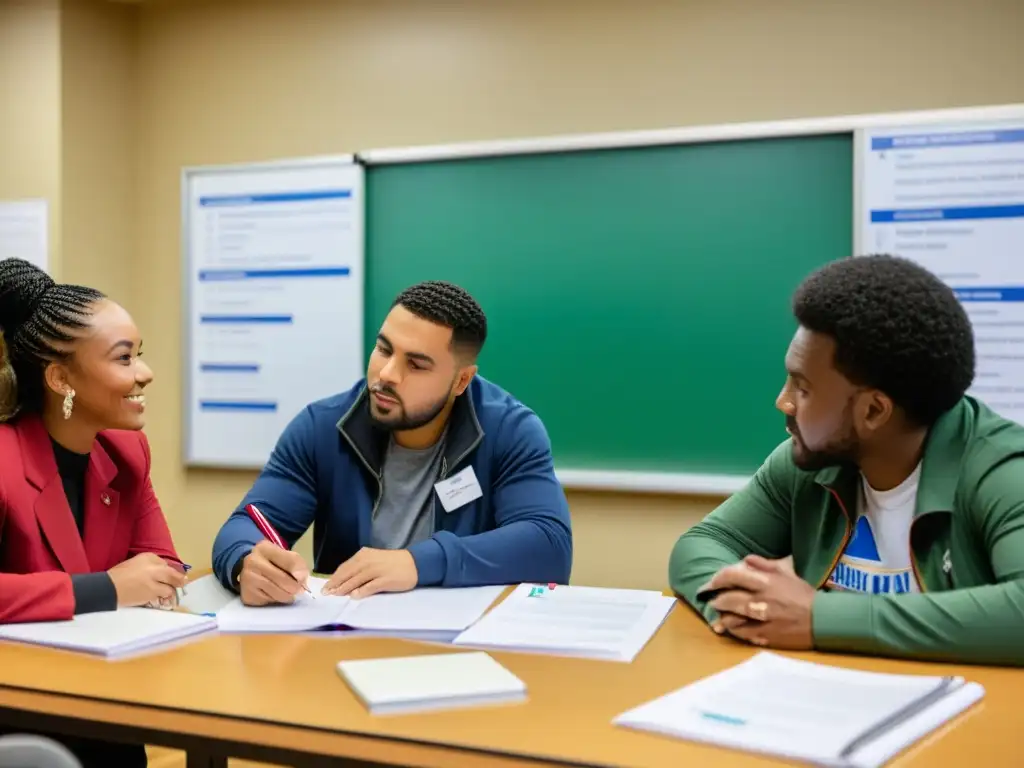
[(967, 545)]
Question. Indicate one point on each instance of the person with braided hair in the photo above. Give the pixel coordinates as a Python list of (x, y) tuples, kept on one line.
[(422, 474), (81, 530), (80, 527)]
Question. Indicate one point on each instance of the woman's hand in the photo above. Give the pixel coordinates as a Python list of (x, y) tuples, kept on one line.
[(146, 579)]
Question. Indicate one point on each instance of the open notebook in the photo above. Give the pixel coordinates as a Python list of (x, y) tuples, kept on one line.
[(433, 681), (428, 613), (112, 633), (802, 711)]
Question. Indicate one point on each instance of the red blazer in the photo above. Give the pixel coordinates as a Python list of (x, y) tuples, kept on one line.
[(39, 541)]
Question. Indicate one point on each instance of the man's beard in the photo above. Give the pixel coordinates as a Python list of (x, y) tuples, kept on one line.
[(838, 451), (405, 421)]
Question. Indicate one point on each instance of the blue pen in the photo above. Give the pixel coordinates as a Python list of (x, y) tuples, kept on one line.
[(186, 568)]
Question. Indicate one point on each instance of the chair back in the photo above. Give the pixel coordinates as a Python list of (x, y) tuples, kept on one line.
[(24, 751)]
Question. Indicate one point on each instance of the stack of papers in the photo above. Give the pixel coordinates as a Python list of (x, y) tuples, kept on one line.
[(593, 622), (112, 633), (427, 613), (435, 681), (799, 710)]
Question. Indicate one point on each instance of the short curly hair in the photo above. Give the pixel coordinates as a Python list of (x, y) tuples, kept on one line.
[(451, 306), (896, 326)]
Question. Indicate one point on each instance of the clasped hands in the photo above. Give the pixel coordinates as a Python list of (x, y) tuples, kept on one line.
[(272, 575), (763, 602)]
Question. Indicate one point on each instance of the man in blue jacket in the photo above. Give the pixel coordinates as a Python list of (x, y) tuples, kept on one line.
[(423, 474)]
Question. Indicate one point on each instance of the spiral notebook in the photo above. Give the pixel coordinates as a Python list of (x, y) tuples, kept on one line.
[(807, 712)]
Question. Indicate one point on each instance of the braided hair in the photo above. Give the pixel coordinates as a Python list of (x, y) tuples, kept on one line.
[(38, 318), (451, 306)]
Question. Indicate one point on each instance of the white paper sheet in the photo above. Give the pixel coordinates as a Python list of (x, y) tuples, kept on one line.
[(24, 231)]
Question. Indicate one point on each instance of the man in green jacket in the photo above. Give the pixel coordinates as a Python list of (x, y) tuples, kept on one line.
[(892, 521)]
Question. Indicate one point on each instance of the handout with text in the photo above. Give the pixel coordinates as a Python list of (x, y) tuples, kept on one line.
[(813, 713), (593, 622)]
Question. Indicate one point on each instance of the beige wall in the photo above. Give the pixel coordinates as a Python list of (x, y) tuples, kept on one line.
[(67, 129), (30, 106), (98, 115), (236, 80)]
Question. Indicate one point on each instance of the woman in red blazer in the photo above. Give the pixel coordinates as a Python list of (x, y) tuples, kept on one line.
[(80, 527)]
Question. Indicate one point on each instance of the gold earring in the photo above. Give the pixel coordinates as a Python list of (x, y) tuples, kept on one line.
[(69, 403)]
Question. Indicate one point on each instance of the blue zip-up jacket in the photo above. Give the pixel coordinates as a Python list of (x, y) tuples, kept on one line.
[(325, 471)]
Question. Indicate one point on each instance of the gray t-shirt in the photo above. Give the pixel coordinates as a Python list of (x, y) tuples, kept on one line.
[(405, 514)]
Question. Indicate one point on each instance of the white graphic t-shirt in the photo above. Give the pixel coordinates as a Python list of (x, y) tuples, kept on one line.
[(877, 556)]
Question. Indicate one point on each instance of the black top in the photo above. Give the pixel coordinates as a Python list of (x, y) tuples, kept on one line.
[(93, 591), (72, 466)]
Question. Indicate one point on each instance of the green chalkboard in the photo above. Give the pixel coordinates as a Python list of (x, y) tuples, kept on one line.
[(637, 299)]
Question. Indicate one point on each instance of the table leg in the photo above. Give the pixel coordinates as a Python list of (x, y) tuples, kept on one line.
[(204, 760)]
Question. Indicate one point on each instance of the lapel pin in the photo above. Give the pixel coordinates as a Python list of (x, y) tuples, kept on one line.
[(105, 499)]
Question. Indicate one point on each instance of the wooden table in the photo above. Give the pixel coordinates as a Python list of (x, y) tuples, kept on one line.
[(278, 698)]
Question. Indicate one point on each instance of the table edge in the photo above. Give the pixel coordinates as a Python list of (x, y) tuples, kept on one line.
[(199, 726)]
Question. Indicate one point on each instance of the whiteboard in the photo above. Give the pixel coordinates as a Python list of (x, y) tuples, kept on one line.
[(950, 196), (274, 296)]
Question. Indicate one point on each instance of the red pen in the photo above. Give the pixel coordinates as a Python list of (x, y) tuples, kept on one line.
[(267, 530), (264, 525)]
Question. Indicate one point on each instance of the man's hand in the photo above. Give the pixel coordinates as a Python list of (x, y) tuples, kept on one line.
[(765, 603), (145, 578), (370, 571), (272, 575)]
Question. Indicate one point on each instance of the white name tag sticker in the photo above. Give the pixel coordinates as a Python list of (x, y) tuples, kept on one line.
[(459, 489)]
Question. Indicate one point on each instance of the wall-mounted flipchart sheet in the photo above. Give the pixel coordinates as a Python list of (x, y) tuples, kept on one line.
[(274, 280), (951, 197), (24, 231)]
